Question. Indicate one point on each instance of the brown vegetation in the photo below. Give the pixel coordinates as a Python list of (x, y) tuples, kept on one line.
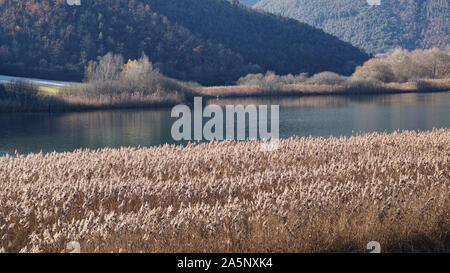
[(404, 66), (110, 76), (16, 101), (310, 195), (351, 86), (401, 71)]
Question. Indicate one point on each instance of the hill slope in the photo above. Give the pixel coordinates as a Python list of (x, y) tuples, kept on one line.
[(209, 41), (409, 24), (249, 2)]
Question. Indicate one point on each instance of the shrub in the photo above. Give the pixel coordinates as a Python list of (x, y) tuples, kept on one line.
[(375, 69), (404, 66), (328, 78), (355, 83), (271, 81)]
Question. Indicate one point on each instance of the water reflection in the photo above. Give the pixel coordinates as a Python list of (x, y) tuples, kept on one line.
[(352, 100), (303, 116), (32, 132)]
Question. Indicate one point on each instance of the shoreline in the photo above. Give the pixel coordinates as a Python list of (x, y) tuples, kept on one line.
[(324, 94), (61, 103), (300, 90)]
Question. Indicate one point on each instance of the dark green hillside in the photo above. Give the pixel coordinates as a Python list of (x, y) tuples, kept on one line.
[(209, 41), (409, 24), (273, 42)]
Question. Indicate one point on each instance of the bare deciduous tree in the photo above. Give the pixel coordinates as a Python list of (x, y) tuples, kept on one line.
[(107, 68)]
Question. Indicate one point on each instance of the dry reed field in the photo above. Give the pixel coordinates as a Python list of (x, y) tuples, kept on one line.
[(310, 195)]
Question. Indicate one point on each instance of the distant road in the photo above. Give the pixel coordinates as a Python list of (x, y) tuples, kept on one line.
[(5, 79)]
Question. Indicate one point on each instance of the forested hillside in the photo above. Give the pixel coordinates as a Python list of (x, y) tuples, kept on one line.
[(249, 2), (409, 24), (209, 41)]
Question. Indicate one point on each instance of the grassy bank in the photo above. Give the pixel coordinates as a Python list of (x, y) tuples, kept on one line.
[(310, 195), (27, 97), (23, 97), (307, 89)]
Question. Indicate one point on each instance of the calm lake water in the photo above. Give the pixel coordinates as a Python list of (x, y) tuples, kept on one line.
[(317, 116)]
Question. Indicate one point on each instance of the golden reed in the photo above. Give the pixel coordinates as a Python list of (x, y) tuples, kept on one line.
[(310, 195)]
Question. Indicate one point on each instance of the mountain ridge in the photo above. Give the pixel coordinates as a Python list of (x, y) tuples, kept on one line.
[(209, 41)]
